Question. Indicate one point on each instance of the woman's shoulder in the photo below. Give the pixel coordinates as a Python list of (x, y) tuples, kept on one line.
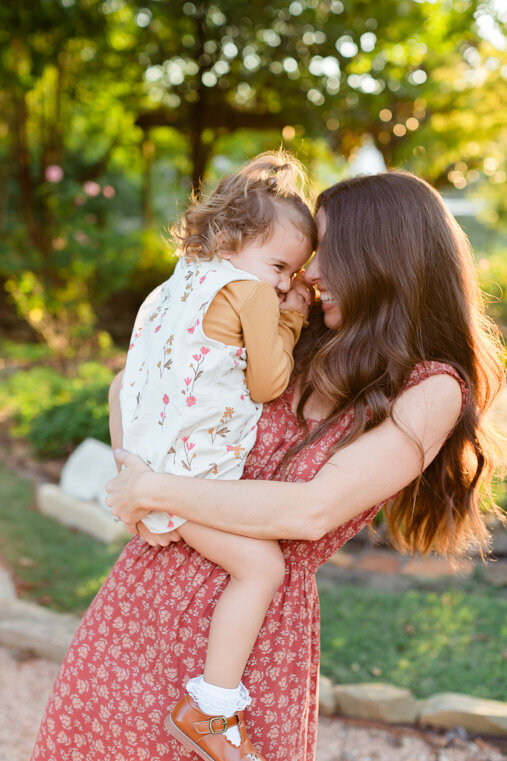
[(447, 381), (434, 392)]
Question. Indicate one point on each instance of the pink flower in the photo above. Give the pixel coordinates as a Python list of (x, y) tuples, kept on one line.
[(191, 400), (197, 357), (190, 330), (170, 522), (53, 173), (242, 396), (202, 279), (108, 191), (230, 448), (157, 328), (165, 399), (91, 188), (239, 352), (184, 439), (131, 346), (188, 381), (205, 350), (190, 445)]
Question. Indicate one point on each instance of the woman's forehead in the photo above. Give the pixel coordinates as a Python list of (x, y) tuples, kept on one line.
[(321, 222)]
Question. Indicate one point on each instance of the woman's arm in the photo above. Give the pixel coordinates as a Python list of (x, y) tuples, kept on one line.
[(365, 473), (115, 426)]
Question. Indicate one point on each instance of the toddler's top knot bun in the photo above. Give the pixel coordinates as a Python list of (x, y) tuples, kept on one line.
[(246, 205), (279, 171)]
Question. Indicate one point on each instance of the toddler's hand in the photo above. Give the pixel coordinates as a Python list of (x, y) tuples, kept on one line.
[(156, 540), (299, 297)]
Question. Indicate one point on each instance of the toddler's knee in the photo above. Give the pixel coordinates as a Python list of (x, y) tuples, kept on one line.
[(270, 566)]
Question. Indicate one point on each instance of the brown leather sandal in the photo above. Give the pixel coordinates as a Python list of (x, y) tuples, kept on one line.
[(205, 735)]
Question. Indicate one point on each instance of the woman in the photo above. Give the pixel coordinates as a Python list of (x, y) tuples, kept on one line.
[(392, 377)]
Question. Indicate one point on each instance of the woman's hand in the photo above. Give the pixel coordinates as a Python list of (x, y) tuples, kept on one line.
[(125, 491), (125, 499)]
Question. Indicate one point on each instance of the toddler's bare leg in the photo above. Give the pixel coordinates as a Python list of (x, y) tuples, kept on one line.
[(256, 568)]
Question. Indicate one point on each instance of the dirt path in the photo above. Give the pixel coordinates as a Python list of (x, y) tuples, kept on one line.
[(25, 684)]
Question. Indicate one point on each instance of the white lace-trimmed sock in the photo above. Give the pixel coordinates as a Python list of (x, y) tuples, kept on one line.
[(219, 701)]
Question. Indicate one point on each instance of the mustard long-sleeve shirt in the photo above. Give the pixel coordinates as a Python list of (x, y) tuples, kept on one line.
[(246, 313)]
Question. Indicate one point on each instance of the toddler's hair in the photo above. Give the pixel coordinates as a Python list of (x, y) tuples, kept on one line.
[(245, 206)]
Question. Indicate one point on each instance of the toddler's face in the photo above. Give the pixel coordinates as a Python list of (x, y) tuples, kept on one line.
[(277, 260)]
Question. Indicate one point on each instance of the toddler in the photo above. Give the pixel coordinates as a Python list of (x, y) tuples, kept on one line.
[(208, 347)]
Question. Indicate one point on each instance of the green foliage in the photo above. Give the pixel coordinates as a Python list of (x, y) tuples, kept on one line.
[(59, 429), (112, 110), (56, 412), (53, 565), (493, 279), (23, 352), (426, 641)]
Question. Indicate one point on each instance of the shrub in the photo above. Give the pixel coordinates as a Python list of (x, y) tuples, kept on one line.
[(54, 411), (57, 430)]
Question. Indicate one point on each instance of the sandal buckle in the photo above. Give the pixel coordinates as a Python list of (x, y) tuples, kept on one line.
[(218, 731)]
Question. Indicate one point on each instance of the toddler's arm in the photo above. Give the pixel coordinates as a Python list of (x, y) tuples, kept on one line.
[(269, 335)]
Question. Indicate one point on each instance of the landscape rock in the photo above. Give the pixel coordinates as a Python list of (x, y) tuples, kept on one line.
[(499, 541), (434, 566), (376, 701), (7, 588), (496, 573), (452, 709), (327, 700), (26, 626), (87, 471), (72, 512)]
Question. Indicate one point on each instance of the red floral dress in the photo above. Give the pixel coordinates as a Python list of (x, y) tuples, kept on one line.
[(145, 634)]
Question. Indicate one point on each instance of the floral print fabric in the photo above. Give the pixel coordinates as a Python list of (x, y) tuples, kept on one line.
[(185, 405), (145, 634)]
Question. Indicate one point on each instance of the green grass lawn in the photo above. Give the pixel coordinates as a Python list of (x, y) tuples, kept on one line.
[(427, 641), (54, 565), (447, 641)]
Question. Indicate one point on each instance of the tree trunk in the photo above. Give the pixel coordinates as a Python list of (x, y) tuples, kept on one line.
[(148, 150), (200, 154), (199, 151), (38, 229)]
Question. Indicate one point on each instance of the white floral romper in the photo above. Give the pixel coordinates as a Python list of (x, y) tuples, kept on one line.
[(185, 405)]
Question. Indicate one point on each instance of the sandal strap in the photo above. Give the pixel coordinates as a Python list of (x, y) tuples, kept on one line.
[(215, 725)]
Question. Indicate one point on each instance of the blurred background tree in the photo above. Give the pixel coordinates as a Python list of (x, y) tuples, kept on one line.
[(113, 111)]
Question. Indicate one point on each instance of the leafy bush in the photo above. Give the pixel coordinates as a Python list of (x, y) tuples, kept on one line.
[(54, 411), (59, 429)]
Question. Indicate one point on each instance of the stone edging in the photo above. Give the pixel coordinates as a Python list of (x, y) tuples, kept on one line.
[(26, 626), (395, 705)]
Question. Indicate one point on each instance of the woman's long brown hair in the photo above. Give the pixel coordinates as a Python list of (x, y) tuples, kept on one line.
[(402, 272)]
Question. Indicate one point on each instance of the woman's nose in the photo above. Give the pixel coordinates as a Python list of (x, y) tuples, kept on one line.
[(312, 273)]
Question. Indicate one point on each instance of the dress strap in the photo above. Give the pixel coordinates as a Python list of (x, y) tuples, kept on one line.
[(425, 370)]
